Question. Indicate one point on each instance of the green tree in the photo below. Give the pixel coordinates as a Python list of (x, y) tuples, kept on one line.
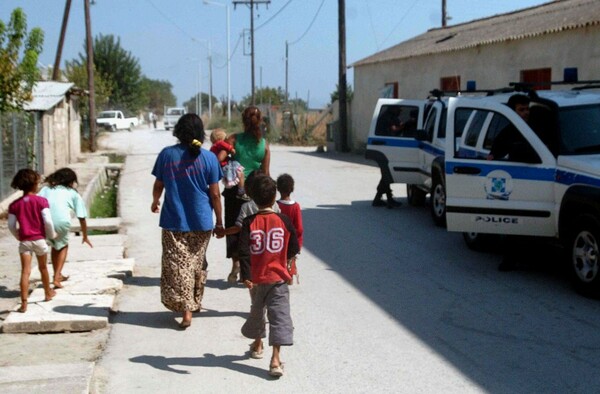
[(121, 70), (159, 94), (190, 105), (273, 96), (77, 73), (17, 76), (349, 93)]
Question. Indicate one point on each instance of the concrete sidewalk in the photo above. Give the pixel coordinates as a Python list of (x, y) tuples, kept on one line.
[(79, 312)]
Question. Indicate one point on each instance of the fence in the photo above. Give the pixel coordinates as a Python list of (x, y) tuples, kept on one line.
[(20, 134)]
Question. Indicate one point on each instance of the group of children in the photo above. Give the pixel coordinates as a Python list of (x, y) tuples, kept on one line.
[(270, 238), (41, 221)]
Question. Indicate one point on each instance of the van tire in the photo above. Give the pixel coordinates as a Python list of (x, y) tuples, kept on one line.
[(438, 201), (583, 255)]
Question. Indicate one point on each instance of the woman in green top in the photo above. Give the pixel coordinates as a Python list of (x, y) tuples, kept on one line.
[(252, 152)]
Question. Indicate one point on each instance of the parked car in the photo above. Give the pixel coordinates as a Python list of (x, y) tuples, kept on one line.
[(553, 192), (114, 120), (172, 115)]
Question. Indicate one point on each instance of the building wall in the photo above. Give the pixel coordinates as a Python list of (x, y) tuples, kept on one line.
[(61, 137), (491, 66)]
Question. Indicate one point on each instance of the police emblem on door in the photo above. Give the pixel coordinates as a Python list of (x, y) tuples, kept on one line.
[(498, 185)]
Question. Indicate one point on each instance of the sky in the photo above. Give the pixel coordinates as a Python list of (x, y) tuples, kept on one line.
[(171, 38)]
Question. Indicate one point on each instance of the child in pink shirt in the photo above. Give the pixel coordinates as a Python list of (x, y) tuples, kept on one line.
[(32, 214)]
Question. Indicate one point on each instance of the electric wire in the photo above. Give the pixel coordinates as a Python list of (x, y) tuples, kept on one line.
[(309, 26), (271, 18), (400, 20)]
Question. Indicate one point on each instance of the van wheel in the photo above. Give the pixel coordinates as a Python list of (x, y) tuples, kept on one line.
[(438, 201), (584, 255), (415, 196)]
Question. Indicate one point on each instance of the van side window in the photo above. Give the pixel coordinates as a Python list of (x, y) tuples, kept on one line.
[(461, 116), (475, 128), (430, 125), (396, 120), (498, 123)]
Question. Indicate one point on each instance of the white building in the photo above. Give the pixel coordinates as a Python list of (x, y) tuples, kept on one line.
[(536, 44)]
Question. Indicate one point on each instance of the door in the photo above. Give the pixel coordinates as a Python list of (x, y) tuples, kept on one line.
[(392, 138), (513, 194)]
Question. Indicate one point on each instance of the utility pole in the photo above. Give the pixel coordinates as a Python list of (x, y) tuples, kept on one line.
[(286, 72), (90, 71), (342, 76), (444, 20), (63, 31), (251, 3)]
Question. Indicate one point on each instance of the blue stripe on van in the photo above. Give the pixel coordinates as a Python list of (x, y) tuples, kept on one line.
[(429, 148), (399, 142), (517, 172)]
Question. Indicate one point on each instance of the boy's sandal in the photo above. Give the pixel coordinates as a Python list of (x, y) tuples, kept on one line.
[(276, 371)]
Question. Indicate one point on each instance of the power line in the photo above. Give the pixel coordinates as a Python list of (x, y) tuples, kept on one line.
[(400, 20), (271, 18), (311, 23)]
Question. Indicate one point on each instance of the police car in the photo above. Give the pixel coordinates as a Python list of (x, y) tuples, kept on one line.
[(552, 191), (413, 155)]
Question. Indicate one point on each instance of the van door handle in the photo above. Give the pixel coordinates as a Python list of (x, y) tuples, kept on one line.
[(467, 170)]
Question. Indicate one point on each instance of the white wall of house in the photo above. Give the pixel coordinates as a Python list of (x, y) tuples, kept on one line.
[(491, 66), (61, 140)]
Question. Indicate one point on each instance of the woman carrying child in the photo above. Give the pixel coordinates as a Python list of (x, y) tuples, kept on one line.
[(253, 153), (32, 214), (64, 200)]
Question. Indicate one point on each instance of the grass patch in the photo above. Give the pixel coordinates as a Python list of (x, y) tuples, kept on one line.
[(104, 204)]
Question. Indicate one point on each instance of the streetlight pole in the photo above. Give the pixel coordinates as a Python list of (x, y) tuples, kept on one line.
[(228, 56)]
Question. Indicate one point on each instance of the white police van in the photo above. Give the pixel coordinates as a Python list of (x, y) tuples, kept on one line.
[(549, 188), (415, 155)]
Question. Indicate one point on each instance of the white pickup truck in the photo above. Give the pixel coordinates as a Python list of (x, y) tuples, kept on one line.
[(114, 120), (549, 187)]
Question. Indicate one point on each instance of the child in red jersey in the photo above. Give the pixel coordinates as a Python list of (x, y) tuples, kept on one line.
[(289, 207), (267, 241), (32, 214), (233, 172)]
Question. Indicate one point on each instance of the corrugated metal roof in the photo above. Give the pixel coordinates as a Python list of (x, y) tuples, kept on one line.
[(546, 18), (46, 94)]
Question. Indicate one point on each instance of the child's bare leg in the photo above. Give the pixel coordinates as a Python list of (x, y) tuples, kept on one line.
[(58, 261), (242, 180), (275, 360), (235, 270), (25, 273), (43, 267)]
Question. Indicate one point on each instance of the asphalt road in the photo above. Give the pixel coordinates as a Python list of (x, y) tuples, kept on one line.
[(387, 302)]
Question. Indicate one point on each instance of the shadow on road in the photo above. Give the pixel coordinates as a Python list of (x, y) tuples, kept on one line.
[(490, 325), (208, 361)]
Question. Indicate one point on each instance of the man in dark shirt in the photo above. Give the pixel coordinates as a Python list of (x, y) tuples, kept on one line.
[(509, 137)]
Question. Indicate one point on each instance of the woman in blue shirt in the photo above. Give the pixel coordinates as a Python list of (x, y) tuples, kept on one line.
[(189, 176)]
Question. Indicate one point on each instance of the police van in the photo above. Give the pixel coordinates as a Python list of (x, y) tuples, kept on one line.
[(413, 153), (551, 188)]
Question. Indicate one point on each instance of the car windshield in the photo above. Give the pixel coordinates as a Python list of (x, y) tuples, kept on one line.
[(175, 112), (108, 114), (580, 129)]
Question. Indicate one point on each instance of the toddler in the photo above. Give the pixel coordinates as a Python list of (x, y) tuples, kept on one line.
[(233, 172), (63, 199), (289, 207), (32, 214)]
